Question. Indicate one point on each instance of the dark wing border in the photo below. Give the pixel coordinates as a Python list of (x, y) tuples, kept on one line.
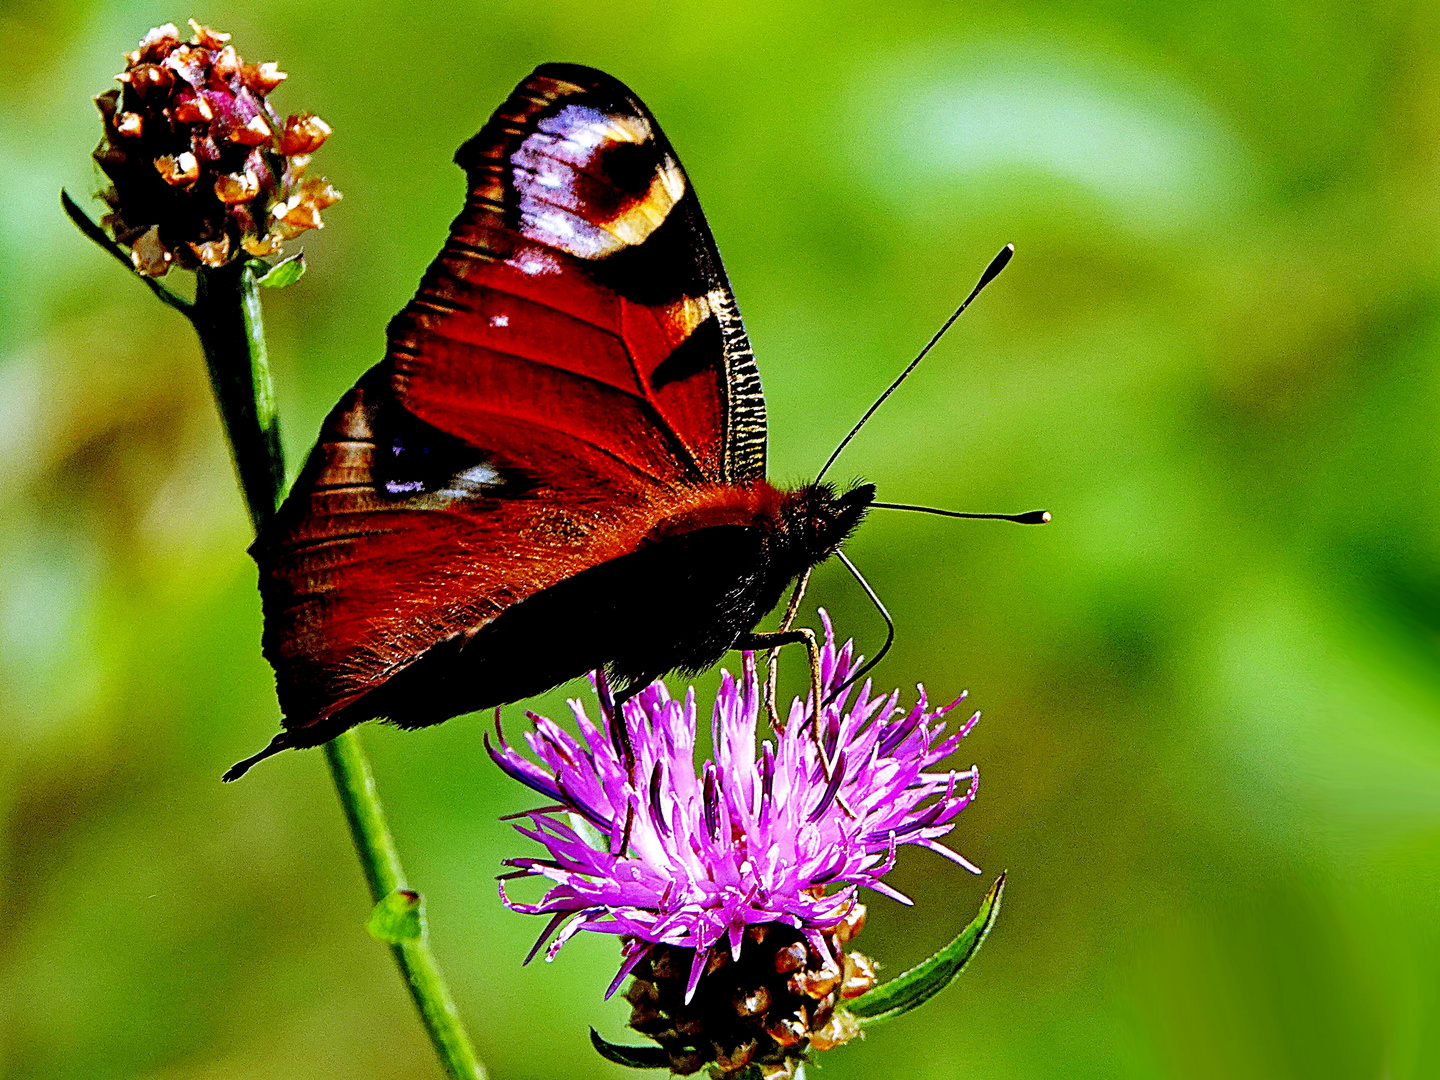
[(745, 431)]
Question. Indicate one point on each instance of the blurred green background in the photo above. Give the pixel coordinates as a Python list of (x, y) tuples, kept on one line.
[(1211, 746)]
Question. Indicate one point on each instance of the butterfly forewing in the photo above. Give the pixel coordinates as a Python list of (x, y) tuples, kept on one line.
[(582, 250)]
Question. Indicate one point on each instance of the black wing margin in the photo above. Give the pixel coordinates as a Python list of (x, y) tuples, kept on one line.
[(576, 162)]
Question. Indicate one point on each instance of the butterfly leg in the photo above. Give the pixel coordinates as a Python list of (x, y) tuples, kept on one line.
[(621, 733), (791, 610), (802, 636)]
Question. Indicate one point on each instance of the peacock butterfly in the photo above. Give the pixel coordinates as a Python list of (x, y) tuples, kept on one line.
[(558, 466)]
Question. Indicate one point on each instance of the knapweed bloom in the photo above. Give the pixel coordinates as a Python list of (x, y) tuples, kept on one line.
[(734, 890), (202, 169)]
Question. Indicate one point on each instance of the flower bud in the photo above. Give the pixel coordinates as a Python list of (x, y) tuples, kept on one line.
[(202, 169)]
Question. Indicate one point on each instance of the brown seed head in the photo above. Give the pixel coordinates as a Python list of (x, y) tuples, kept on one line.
[(766, 1010), (148, 80), (303, 134), (789, 1030), (816, 982), (685, 1062), (195, 110), (237, 187), (156, 44), (202, 168), (790, 958), (180, 170), (753, 1002), (851, 925), (227, 62), (213, 252), (262, 78), (736, 1058), (149, 254), (253, 132), (211, 39)]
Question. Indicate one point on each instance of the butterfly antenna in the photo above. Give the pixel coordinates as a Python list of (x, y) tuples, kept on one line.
[(1033, 517), (991, 272), (889, 629)]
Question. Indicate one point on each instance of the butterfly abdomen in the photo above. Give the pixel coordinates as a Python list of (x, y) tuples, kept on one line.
[(678, 599)]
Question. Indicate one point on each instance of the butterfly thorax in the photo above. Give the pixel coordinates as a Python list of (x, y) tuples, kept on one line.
[(784, 531), (814, 521)]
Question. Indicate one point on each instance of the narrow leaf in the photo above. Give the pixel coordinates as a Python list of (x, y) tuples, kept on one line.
[(398, 918), (634, 1057), (929, 977), (87, 225), (285, 272)]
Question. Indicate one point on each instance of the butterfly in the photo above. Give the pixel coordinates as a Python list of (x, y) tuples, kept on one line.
[(559, 465)]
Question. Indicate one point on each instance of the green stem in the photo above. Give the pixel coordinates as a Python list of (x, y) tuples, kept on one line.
[(356, 786), (227, 316)]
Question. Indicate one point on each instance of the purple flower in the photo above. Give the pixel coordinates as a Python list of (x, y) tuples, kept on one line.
[(641, 846)]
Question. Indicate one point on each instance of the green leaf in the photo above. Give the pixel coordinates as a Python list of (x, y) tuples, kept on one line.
[(285, 272), (398, 918), (634, 1057), (86, 225), (929, 977)]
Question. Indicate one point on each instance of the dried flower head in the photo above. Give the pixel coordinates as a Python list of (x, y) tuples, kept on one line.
[(734, 891), (202, 168)]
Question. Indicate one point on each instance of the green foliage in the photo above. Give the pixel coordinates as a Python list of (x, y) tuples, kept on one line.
[(278, 275), (632, 1057), (927, 978), (398, 917), (1211, 742)]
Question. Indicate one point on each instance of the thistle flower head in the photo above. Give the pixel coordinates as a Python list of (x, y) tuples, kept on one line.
[(734, 889), (203, 171)]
